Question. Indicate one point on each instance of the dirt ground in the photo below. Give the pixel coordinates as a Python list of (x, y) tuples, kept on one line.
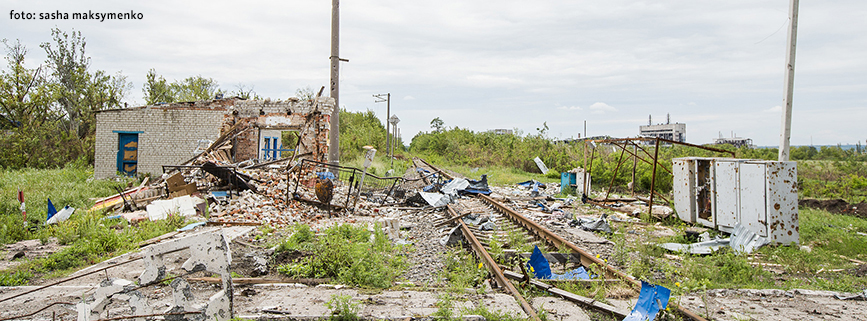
[(836, 206), (295, 301)]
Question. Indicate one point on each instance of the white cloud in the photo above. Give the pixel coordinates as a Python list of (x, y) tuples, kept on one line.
[(715, 65), (570, 108), (775, 109), (601, 108)]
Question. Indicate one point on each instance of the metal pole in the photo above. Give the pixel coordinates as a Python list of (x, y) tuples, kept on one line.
[(653, 178), (786, 130), (619, 162), (387, 125), (334, 150), (634, 166), (584, 189)]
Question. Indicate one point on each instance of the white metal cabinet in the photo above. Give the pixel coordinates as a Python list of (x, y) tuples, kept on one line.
[(782, 202), (684, 188), (753, 211), (722, 192), (725, 193)]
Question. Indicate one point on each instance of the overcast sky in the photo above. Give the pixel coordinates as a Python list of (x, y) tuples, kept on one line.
[(715, 65)]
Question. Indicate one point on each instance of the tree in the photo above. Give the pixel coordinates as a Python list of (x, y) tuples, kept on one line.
[(24, 95), (156, 89), (78, 92), (195, 88), (244, 93), (305, 93), (437, 124)]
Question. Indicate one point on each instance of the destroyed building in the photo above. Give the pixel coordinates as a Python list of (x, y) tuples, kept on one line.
[(143, 139)]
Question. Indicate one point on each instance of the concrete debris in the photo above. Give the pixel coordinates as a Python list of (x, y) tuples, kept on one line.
[(260, 266), (184, 205), (860, 296), (113, 290), (209, 251)]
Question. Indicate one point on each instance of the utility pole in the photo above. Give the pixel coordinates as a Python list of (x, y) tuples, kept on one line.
[(393, 120), (387, 100), (334, 150), (584, 189), (786, 128)]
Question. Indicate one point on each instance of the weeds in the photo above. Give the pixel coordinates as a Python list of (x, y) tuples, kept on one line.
[(347, 253), (497, 315), (463, 270), (445, 308), (343, 309)]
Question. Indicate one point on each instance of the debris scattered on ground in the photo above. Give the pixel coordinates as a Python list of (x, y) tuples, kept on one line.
[(651, 300), (742, 241), (541, 268)]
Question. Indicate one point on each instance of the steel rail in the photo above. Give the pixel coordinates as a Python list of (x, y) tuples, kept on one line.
[(492, 266), (586, 258), (557, 241)]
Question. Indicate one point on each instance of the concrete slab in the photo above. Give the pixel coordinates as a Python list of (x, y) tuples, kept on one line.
[(559, 309)]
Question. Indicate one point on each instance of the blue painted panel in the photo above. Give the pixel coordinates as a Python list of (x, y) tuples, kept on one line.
[(127, 153)]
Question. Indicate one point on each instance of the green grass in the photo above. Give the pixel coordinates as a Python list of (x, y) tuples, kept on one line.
[(828, 235), (89, 237), (346, 253), (71, 186), (462, 270), (343, 308), (498, 175)]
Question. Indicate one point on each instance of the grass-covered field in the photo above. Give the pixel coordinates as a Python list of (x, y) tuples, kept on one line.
[(831, 239), (89, 237)]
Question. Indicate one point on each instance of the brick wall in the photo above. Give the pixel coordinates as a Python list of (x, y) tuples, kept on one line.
[(168, 136), (169, 133)]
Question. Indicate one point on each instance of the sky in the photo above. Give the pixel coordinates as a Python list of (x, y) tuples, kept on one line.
[(717, 66)]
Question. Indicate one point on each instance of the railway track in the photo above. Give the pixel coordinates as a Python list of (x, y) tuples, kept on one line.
[(523, 233)]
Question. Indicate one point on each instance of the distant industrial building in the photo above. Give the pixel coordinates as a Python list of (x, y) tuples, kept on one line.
[(675, 132), (734, 141), (501, 131)]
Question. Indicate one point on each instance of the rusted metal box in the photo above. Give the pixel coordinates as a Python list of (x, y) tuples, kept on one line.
[(722, 192)]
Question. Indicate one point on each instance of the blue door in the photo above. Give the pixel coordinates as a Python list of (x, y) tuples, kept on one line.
[(127, 153)]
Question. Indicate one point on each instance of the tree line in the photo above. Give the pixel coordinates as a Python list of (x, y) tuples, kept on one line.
[(48, 111), (827, 171)]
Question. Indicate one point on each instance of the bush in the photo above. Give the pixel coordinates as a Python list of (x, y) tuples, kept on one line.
[(349, 254)]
